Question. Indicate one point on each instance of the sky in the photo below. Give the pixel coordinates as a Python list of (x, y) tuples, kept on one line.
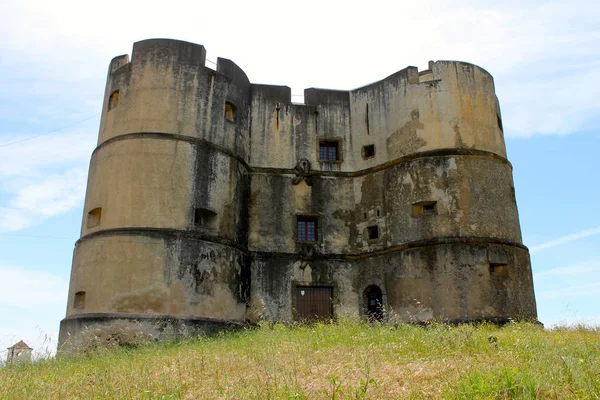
[(53, 63)]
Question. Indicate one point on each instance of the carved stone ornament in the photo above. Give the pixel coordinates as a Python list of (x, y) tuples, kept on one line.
[(302, 171), (307, 252)]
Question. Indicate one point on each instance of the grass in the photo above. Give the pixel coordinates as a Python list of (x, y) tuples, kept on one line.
[(346, 360)]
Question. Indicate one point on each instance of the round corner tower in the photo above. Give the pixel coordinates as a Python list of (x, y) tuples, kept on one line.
[(391, 200), (164, 230)]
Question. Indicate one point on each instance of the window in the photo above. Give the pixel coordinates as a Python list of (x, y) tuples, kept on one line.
[(424, 208), (373, 232), (499, 122), (205, 218), (369, 151), (79, 301), (94, 217), (498, 270), (307, 229), (428, 209), (113, 100), (230, 112), (329, 151)]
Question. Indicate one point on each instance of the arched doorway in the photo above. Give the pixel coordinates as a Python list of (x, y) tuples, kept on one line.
[(374, 303)]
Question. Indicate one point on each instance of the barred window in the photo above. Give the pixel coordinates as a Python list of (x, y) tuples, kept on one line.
[(307, 229), (329, 151)]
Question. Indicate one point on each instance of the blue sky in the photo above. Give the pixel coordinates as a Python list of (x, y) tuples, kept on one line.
[(543, 55)]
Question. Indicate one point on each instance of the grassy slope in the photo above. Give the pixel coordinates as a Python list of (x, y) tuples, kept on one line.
[(347, 360)]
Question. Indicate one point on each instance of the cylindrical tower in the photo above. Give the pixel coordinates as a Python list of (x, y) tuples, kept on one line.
[(164, 230)]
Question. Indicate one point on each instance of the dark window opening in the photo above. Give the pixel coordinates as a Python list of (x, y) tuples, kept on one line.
[(373, 232), (425, 208), (499, 122), (369, 151), (329, 151), (313, 303), (230, 112), (94, 217), (378, 212), (205, 218), (374, 302), (498, 270), (307, 229), (365, 215), (79, 300), (113, 100), (512, 193)]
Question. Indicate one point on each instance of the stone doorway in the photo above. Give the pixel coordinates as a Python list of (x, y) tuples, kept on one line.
[(374, 302)]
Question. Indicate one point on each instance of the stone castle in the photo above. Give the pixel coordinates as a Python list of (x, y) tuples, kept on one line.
[(215, 201)]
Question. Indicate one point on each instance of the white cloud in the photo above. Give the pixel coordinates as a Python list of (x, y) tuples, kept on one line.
[(542, 54), (32, 202), (565, 239), (36, 156)]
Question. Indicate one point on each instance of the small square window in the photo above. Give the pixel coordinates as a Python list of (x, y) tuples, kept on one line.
[(428, 209), (307, 229), (499, 270), (329, 151), (424, 208), (373, 232), (369, 151), (204, 218)]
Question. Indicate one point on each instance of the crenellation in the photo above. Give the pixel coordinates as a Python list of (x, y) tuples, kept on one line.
[(215, 201)]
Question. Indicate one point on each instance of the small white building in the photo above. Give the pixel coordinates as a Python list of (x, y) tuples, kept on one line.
[(19, 353)]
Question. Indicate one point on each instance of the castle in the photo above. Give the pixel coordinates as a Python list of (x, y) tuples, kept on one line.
[(215, 201)]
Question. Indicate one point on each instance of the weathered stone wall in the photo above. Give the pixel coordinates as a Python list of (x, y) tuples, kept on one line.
[(447, 280), (199, 177), (165, 224)]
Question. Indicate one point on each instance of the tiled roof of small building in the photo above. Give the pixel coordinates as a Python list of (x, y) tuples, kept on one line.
[(20, 345)]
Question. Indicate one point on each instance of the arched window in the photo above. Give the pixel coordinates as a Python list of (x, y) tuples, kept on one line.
[(374, 303), (113, 100), (230, 112), (79, 301), (94, 217)]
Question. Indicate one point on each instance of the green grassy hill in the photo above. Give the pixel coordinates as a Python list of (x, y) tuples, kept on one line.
[(325, 361)]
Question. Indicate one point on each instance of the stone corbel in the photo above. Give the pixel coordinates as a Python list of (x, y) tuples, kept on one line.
[(302, 171)]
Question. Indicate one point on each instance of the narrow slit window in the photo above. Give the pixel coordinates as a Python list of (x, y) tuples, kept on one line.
[(307, 229), (369, 151), (373, 232), (113, 100), (94, 217), (329, 151), (79, 300), (230, 112), (499, 122)]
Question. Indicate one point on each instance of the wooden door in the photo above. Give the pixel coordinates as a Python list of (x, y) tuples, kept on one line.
[(314, 303)]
